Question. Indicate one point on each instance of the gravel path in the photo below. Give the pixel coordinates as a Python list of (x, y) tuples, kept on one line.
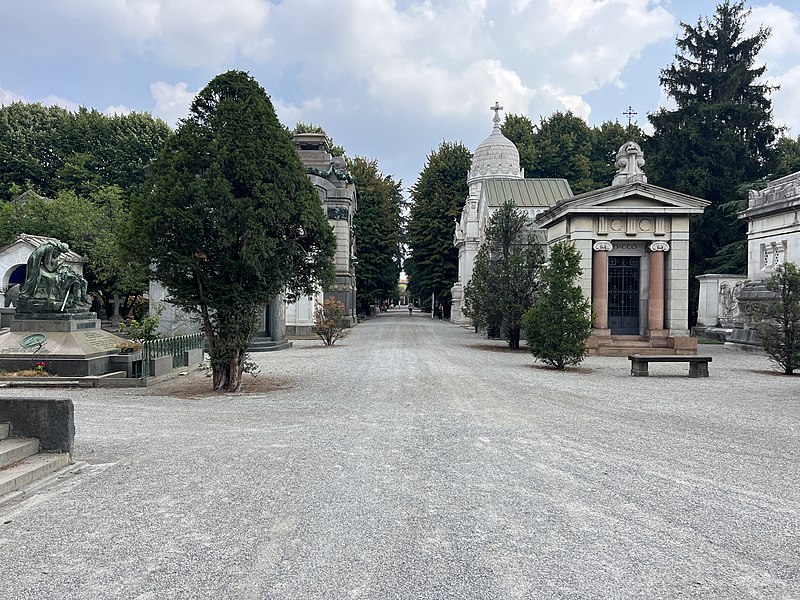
[(418, 460)]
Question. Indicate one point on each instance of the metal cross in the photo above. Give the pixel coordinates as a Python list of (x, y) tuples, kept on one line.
[(630, 113), (496, 108)]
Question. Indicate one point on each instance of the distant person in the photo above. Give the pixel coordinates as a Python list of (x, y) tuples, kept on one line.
[(440, 310), (410, 308)]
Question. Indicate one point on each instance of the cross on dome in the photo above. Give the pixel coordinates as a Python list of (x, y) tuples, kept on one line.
[(496, 108)]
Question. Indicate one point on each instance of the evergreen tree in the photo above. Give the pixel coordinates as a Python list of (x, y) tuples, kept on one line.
[(560, 323), (438, 195), (779, 328), (378, 226), (505, 274), (231, 219), (721, 134), (521, 130)]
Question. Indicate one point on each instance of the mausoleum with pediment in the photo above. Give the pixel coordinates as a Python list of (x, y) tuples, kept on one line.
[(634, 241), (633, 238)]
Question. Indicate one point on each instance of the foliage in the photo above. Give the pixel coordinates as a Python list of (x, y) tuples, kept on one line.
[(788, 151), (560, 323), (48, 149), (721, 134), (143, 329), (330, 324), (93, 227), (231, 220), (40, 367), (378, 229), (438, 197), (564, 146), (779, 327), (505, 275)]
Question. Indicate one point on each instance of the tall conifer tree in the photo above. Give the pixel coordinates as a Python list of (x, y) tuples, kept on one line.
[(439, 195), (721, 136)]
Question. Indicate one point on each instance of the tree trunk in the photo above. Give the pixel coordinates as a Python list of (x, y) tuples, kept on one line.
[(513, 339), (227, 377)]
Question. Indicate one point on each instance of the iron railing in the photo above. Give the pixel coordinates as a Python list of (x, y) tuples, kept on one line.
[(177, 347)]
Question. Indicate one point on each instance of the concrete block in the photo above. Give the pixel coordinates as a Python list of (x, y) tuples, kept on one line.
[(52, 420), (160, 366)]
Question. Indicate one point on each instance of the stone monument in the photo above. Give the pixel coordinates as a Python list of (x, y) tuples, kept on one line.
[(53, 323)]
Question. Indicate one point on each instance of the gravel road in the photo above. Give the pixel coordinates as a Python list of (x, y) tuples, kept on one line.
[(416, 459)]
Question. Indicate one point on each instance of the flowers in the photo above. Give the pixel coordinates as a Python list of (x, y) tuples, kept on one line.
[(40, 367)]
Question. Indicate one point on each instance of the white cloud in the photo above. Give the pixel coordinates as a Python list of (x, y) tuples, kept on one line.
[(172, 101), (62, 102), (184, 33), (119, 110), (9, 97), (785, 102), (289, 114)]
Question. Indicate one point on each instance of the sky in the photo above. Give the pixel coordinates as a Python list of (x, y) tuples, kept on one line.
[(386, 79)]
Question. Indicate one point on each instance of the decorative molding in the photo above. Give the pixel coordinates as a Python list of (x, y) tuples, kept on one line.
[(631, 225), (603, 246), (658, 247)]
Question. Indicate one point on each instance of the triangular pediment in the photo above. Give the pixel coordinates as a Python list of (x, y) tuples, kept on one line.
[(631, 198)]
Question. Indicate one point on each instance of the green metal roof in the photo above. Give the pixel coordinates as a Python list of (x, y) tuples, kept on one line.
[(542, 192)]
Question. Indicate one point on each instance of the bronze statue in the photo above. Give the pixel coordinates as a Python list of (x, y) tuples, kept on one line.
[(50, 285)]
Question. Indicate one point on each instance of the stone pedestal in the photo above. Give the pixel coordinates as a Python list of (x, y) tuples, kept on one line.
[(71, 345)]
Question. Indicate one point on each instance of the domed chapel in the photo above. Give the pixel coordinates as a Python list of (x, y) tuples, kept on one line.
[(633, 237)]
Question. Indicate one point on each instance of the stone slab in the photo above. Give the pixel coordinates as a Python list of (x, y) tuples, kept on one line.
[(61, 344)]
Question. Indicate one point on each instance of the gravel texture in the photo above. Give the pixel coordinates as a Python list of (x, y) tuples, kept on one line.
[(416, 459)]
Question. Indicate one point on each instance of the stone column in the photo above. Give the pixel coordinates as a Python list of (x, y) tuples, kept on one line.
[(600, 286), (655, 303)]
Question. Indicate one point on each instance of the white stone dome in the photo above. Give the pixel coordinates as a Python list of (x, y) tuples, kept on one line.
[(496, 156)]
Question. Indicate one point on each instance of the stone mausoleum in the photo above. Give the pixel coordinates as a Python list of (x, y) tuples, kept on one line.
[(337, 192), (494, 177), (728, 303), (634, 240)]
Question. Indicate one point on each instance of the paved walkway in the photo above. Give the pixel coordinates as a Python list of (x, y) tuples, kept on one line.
[(418, 460)]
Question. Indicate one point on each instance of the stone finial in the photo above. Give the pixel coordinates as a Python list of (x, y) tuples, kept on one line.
[(629, 163)]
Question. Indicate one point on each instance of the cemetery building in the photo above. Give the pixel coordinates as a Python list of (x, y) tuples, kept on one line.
[(728, 302), (494, 177), (337, 192), (634, 241)]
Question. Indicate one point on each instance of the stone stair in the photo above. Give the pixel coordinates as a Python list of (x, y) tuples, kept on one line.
[(623, 345), (21, 463), (267, 344)]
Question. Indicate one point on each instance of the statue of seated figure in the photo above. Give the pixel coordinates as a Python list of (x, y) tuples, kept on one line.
[(50, 285)]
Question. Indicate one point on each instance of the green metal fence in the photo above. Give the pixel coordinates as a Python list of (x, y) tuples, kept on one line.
[(178, 347)]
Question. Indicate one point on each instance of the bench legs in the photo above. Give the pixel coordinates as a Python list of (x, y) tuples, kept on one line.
[(639, 369), (698, 369)]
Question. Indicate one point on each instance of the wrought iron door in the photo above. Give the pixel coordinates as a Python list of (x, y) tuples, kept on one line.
[(623, 295)]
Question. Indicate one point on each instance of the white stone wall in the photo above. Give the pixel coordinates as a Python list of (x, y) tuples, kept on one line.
[(771, 240), (676, 284)]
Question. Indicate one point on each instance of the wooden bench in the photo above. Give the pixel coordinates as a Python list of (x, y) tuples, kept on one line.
[(698, 365)]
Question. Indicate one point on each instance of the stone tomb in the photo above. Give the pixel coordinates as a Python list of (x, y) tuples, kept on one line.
[(52, 323), (634, 243)]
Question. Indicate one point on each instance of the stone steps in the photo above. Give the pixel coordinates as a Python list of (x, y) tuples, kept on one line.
[(21, 463), (30, 469), (267, 345)]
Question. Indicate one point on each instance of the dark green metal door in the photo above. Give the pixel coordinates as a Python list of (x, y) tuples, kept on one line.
[(623, 295)]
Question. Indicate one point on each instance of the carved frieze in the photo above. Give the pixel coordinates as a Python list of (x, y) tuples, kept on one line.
[(338, 213)]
